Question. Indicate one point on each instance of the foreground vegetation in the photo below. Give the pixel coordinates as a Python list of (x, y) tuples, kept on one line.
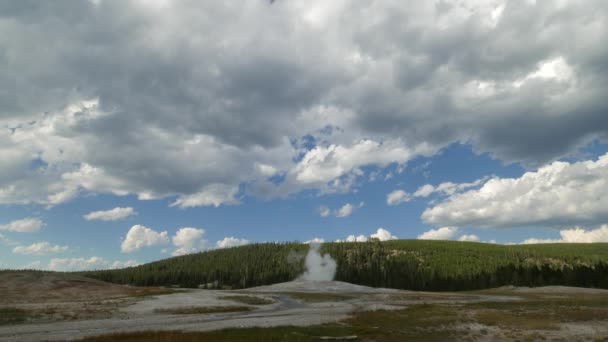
[(403, 264)]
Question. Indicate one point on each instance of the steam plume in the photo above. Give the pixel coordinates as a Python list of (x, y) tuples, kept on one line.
[(318, 267)]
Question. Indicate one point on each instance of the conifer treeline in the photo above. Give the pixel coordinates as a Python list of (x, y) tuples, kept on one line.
[(404, 264)]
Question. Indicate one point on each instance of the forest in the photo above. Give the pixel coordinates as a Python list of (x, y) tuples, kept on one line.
[(403, 264)]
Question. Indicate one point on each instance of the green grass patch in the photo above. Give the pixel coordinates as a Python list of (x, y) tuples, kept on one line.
[(199, 310), (248, 300)]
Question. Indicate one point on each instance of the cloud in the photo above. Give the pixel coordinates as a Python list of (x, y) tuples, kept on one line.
[(189, 240), (324, 211), (315, 240), (353, 238), (576, 235), (383, 235), (26, 225), (231, 241), (40, 248), (34, 265), (84, 264), (443, 233), (115, 214), (344, 211), (420, 78), (471, 237), (213, 195), (380, 234), (140, 236), (397, 197), (447, 188), (556, 194)]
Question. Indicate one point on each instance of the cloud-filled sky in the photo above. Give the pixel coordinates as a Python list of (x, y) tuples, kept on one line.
[(135, 130)]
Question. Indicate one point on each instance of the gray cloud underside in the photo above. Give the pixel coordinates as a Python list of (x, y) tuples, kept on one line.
[(198, 96)]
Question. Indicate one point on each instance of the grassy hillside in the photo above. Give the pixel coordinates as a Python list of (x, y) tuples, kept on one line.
[(405, 264)]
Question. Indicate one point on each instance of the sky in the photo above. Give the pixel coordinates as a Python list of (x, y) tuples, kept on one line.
[(132, 131)]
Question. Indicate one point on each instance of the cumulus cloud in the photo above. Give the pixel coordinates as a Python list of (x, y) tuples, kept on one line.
[(577, 234), (383, 235), (231, 241), (40, 248), (471, 237), (397, 197), (353, 238), (557, 194), (115, 214), (443, 233), (26, 225), (420, 78), (189, 240), (84, 264), (380, 234), (139, 237)]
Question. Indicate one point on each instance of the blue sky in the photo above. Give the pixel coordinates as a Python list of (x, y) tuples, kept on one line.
[(151, 128)]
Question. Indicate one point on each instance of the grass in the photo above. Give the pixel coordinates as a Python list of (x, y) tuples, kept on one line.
[(315, 297), (11, 315), (199, 310), (251, 300)]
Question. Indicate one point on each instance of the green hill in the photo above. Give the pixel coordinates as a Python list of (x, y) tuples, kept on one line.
[(404, 264)]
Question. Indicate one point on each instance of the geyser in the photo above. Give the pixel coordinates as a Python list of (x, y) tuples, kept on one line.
[(318, 267)]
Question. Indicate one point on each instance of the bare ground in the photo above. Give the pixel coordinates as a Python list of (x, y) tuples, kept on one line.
[(81, 307)]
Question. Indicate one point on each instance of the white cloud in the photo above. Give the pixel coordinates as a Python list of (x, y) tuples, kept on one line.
[(117, 213), (397, 197), (324, 211), (555, 195), (231, 241), (124, 264), (189, 240), (40, 248), (383, 235), (424, 191), (347, 209), (26, 225), (471, 237), (324, 164), (213, 195), (380, 234), (315, 240), (447, 188), (84, 264), (576, 235), (358, 238), (344, 211), (34, 265), (140, 236), (444, 233)]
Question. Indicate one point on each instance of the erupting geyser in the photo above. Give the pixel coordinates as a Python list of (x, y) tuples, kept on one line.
[(318, 267)]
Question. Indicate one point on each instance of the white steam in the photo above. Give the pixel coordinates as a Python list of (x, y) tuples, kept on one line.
[(318, 267)]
